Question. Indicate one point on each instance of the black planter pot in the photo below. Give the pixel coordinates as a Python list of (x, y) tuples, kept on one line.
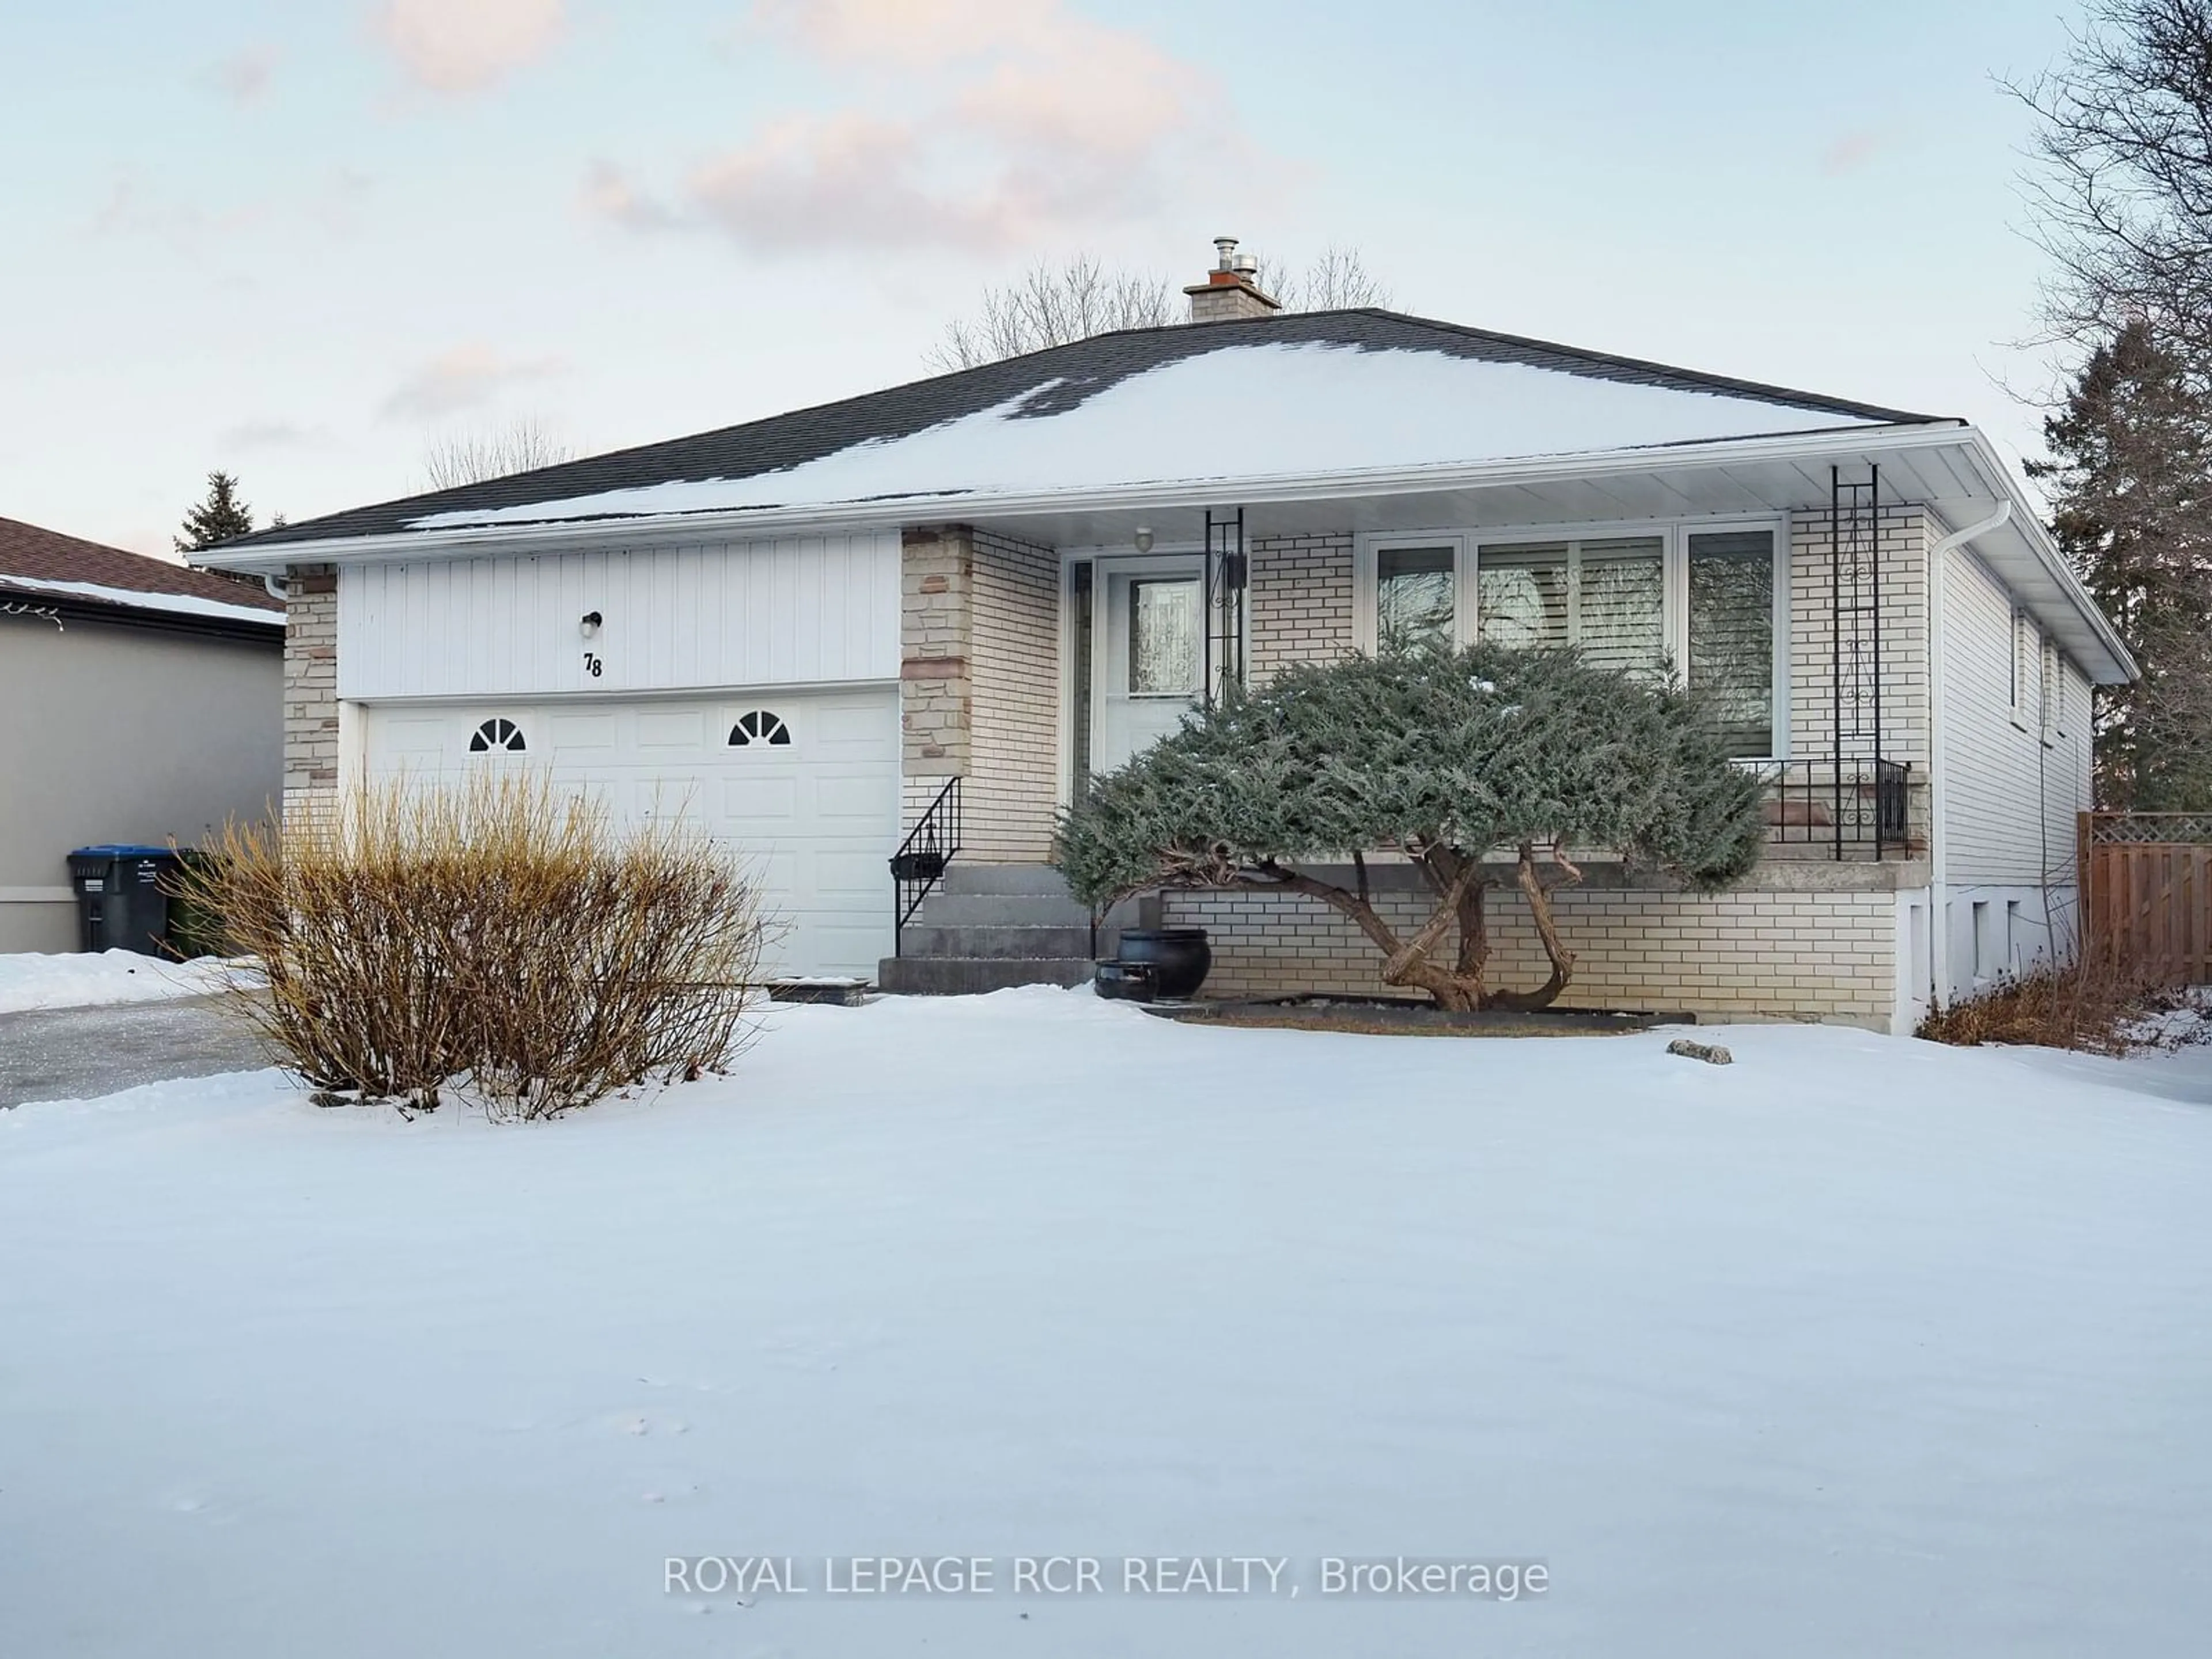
[(1176, 960), (1122, 983), (918, 866)]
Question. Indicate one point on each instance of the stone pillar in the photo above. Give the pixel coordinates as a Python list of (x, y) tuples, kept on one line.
[(936, 685), (311, 686)]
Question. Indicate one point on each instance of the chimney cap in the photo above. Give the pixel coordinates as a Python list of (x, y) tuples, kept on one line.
[(1227, 247)]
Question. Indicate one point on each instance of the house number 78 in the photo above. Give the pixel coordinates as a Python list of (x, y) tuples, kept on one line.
[(593, 663)]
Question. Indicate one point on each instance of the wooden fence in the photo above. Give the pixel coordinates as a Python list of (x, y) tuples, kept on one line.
[(2146, 882)]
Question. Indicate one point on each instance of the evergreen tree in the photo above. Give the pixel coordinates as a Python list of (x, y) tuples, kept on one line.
[(1443, 755), (217, 519), (2130, 479)]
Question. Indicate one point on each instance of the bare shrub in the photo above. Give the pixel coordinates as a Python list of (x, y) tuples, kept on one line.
[(489, 939), (2091, 1005)]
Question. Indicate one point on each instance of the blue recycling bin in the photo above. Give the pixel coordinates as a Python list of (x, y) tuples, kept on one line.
[(123, 897)]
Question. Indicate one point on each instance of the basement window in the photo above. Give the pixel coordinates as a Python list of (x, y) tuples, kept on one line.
[(497, 736), (759, 725)]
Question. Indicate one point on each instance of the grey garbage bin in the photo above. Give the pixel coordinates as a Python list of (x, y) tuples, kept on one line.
[(122, 897)]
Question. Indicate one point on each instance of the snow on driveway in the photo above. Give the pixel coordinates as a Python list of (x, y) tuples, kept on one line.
[(1858, 1345), (32, 980)]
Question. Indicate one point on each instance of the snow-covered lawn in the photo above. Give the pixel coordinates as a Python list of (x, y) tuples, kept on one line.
[(34, 981), (1857, 1346)]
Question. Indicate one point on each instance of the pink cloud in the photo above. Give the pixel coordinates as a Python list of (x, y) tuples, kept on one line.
[(1852, 152), (465, 45), (243, 78), (1043, 121), (461, 377)]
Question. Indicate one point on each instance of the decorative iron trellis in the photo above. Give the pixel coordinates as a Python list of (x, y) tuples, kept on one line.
[(1227, 575), (1855, 631)]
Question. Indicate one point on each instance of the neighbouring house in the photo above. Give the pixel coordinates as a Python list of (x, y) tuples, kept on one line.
[(920, 619), (140, 702)]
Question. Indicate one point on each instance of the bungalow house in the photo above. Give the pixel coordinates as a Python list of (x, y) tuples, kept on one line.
[(138, 703), (921, 618)]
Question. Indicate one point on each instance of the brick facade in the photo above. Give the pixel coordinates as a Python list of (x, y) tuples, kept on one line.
[(980, 685), (1299, 601), (1803, 941), (1014, 736), (1755, 953), (311, 685)]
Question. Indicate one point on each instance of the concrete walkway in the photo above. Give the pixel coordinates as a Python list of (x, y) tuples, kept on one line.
[(75, 1054)]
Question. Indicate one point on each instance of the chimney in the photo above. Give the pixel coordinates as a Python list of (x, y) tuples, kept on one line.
[(1228, 292)]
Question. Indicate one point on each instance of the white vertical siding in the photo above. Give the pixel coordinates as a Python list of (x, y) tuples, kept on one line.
[(2009, 798), (788, 611)]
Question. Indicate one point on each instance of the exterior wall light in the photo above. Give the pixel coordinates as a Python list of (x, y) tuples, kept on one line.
[(590, 623), (1143, 538)]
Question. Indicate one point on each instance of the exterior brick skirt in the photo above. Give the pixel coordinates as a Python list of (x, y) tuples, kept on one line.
[(1744, 955)]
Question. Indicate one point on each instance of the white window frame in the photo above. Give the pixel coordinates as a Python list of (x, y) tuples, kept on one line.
[(1366, 561), (2050, 689), (1673, 535)]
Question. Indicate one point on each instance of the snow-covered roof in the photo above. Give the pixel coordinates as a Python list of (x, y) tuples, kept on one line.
[(1310, 395), (37, 563), (174, 605)]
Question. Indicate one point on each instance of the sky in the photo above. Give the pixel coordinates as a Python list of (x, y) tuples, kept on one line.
[(303, 241)]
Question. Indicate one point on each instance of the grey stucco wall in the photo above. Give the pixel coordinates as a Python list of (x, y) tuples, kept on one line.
[(113, 733)]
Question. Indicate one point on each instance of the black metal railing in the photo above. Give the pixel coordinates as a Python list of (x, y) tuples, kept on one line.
[(920, 863), (1849, 808)]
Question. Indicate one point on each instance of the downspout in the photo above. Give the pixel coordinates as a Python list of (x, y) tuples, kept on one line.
[(1939, 850), (276, 583)]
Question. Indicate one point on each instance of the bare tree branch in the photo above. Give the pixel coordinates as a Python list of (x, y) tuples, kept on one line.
[(2122, 198), (523, 445), (1051, 305)]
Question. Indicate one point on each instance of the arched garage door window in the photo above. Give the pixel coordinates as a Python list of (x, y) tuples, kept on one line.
[(759, 726), (497, 736)]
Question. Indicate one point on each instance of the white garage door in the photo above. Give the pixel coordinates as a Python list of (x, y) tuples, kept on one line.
[(803, 784)]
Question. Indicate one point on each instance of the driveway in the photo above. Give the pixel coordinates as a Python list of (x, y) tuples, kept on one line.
[(70, 1054)]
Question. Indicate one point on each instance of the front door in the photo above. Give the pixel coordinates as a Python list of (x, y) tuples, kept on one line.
[(1148, 658)]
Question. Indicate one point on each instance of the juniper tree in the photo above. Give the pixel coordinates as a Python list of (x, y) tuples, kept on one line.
[(1445, 757)]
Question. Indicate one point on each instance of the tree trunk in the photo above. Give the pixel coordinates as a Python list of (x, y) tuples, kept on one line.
[(1540, 910), (1459, 986)]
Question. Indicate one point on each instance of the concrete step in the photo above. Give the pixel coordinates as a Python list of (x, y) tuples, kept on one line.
[(942, 909), (1022, 943), (959, 977), (1031, 880)]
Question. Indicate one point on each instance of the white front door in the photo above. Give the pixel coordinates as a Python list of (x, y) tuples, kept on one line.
[(1148, 658)]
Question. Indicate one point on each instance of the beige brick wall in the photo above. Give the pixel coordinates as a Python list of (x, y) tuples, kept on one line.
[(1300, 601), (1014, 733), (1744, 955), (311, 685), (1903, 634), (980, 685)]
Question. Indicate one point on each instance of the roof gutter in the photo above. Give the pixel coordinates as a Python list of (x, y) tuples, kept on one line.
[(271, 557), (2029, 528)]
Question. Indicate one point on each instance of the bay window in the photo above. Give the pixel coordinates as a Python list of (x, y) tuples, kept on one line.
[(1696, 600)]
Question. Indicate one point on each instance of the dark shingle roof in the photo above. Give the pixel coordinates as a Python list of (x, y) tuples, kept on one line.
[(47, 556), (1070, 374)]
